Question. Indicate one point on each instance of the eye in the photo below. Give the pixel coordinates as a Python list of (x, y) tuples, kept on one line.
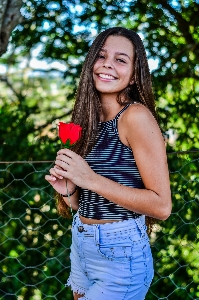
[(100, 56), (121, 60)]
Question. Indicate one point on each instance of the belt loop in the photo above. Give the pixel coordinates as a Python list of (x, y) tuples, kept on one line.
[(74, 219), (141, 225)]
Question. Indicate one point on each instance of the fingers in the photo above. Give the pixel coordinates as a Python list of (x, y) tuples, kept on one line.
[(57, 167), (64, 158), (60, 165), (49, 178), (63, 161), (61, 174), (54, 174), (67, 152)]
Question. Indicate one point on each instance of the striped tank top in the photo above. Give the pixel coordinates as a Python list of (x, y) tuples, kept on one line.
[(112, 159)]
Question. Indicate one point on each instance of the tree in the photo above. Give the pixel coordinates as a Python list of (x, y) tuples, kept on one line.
[(10, 17), (170, 33)]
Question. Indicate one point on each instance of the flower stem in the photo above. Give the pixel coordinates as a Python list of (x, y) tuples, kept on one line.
[(69, 199)]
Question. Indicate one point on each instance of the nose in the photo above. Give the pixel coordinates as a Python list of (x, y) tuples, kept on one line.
[(107, 64)]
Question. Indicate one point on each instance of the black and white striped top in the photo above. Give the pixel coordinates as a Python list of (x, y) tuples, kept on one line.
[(112, 159)]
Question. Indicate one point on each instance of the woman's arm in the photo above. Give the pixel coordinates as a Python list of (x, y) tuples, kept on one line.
[(144, 137)]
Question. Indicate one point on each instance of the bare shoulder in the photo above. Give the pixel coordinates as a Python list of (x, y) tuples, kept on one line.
[(138, 116)]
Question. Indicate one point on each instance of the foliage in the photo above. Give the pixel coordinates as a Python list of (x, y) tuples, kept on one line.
[(175, 241), (28, 109), (171, 35), (35, 241), (35, 95)]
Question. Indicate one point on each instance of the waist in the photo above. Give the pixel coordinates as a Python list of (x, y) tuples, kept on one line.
[(114, 223), (88, 221), (135, 228)]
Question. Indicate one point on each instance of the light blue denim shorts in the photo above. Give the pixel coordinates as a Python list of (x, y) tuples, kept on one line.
[(110, 261)]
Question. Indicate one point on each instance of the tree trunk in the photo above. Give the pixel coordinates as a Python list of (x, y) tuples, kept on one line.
[(10, 17)]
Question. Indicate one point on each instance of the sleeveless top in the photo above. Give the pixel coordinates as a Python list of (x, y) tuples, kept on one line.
[(112, 159)]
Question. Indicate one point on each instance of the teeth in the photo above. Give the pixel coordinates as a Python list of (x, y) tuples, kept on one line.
[(106, 76)]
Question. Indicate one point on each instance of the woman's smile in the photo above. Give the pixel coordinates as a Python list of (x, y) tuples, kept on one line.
[(107, 77)]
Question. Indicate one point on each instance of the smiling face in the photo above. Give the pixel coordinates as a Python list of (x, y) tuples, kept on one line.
[(113, 69)]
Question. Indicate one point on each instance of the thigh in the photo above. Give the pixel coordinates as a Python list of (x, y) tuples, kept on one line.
[(77, 296)]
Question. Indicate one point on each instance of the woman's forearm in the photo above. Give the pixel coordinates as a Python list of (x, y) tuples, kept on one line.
[(143, 201)]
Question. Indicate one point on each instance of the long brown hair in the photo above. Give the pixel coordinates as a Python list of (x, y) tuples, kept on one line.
[(87, 106)]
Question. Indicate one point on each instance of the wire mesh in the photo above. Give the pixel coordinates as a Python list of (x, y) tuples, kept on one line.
[(35, 241)]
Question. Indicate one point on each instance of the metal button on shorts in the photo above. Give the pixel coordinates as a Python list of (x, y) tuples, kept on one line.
[(81, 228)]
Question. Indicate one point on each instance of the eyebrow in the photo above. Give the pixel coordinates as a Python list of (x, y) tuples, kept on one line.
[(118, 53)]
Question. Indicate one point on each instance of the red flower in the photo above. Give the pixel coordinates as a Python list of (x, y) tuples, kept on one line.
[(69, 133)]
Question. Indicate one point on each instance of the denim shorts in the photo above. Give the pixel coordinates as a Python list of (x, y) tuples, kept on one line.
[(110, 261)]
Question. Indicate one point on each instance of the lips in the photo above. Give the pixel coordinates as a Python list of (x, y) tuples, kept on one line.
[(106, 76)]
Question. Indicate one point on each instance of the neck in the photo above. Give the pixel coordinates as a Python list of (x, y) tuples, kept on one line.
[(110, 107)]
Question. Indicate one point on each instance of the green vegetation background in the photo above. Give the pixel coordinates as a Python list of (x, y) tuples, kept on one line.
[(34, 240)]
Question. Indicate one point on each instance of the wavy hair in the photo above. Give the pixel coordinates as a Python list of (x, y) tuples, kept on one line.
[(87, 106)]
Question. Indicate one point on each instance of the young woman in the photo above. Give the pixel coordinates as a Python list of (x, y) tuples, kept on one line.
[(120, 168)]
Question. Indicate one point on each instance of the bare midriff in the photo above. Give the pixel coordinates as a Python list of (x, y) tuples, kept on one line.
[(95, 221)]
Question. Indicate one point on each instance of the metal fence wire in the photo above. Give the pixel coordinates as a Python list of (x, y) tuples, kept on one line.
[(35, 240)]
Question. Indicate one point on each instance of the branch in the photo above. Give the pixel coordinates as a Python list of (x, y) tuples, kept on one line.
[(183, 24), (51, 120), (2, 11), (48, 70), (5, 79), (11, 17)]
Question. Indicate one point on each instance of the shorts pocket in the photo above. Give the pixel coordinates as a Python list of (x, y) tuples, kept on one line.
[(115, 252), (142, 264)]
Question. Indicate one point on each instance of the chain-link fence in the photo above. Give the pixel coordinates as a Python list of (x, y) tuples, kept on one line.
[(35, 241)]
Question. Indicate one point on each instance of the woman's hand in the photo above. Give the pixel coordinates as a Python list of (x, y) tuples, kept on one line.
[(73, 167), (59, 183)]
